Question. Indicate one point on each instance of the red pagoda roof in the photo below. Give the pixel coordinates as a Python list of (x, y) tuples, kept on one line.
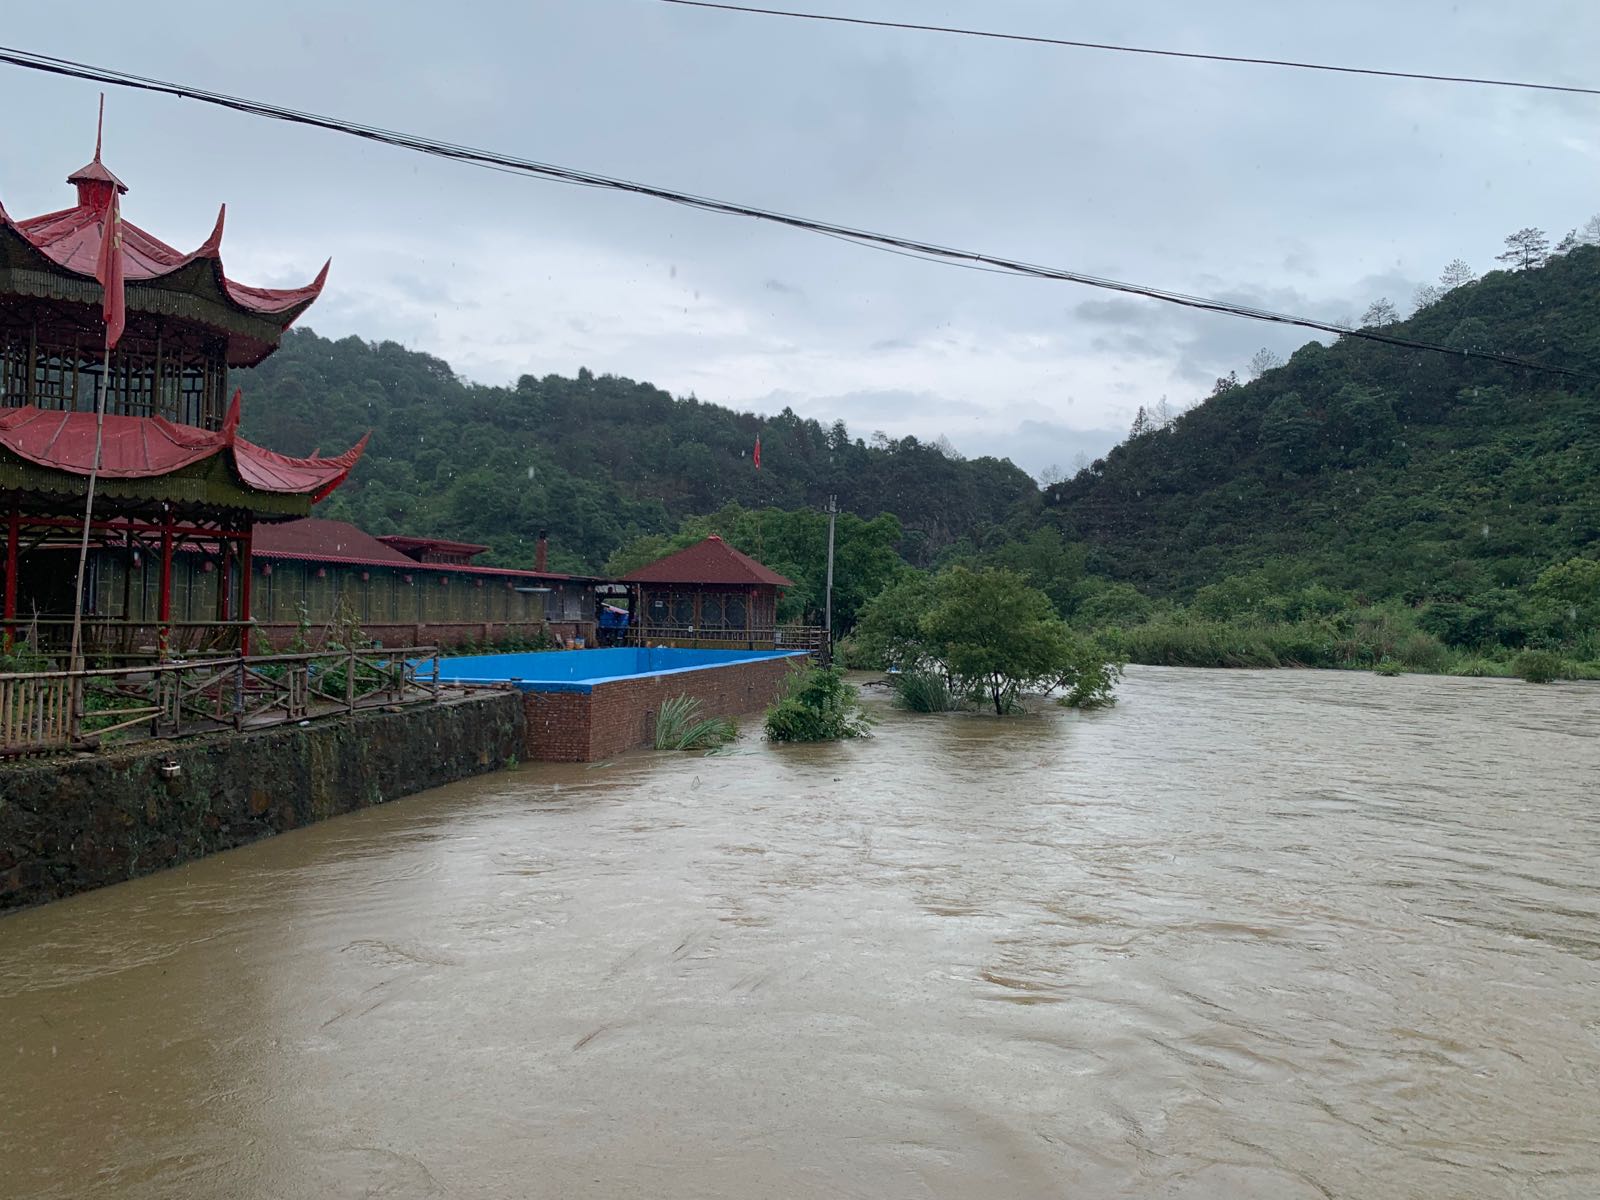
[(709, 561), (69, 240), (143, 447)]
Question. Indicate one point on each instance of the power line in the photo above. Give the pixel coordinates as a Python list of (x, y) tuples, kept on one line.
[(947, 255), (1147, 50)]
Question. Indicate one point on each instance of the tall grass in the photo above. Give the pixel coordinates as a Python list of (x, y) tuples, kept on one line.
[(679, 726), (1369, 638), (926, 692)]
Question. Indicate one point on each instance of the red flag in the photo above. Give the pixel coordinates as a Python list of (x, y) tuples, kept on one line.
[(108, 270), (757, 455)]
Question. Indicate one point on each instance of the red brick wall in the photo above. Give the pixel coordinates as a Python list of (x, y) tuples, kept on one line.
[(588, 726), (557, 725)]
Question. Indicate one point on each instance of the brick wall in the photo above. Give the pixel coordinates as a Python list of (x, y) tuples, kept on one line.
[(557, 726), (618, 716)]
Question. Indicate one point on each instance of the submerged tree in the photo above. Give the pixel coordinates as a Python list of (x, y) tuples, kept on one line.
[(987, 634), (818, 706)]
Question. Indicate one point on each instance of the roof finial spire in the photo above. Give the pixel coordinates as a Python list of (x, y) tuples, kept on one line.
[(99, 127)]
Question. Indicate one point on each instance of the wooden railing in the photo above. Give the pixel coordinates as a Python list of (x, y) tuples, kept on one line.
[(810, 638), (59, 710), (141, 640)]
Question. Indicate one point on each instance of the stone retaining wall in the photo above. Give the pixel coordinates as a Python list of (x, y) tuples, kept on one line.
[(69, 824), (620, 715)]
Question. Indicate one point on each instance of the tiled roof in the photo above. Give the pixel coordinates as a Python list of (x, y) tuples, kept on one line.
[(314, 539), (710, 561)]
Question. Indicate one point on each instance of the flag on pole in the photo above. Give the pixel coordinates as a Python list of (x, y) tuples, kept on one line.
[(756, 457), (108, 270)]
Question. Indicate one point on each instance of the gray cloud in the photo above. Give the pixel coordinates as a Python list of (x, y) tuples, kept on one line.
[(1308, 193)]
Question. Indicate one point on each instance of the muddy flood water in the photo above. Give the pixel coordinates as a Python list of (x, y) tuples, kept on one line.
[(1270, 935)]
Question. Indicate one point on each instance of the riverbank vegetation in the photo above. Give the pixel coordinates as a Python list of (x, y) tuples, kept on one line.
[(818, 706), (681, 726)]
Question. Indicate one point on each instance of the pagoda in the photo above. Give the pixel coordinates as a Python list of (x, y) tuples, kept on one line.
[(173, 471)]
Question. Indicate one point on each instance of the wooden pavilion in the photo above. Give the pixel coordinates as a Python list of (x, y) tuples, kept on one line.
[(710, 594), (174, 473)]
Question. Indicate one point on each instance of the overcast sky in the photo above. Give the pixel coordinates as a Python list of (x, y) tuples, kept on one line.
[(1292, 190)]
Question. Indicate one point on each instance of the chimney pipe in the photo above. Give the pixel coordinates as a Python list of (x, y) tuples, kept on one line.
[(541, 552)]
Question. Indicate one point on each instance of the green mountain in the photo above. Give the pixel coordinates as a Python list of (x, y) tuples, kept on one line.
[(1361, 466), (598, 460)]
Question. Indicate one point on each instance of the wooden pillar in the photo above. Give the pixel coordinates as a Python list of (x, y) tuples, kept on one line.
[(164, 601), (245, 569), (224, 575), (13, 532)]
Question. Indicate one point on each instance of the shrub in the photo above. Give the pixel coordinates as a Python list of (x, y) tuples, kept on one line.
[(926, 692), (1539, 666), (679, 726), (1422, 652), (1092, 681), (851, 654), (1388, 667), (1476, 668), (818, 706)]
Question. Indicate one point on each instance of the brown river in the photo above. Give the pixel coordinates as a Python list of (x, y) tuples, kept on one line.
[(1246, 935)]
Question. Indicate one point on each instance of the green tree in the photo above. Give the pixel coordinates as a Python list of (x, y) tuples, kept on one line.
[(994, 635), (1525, 248)]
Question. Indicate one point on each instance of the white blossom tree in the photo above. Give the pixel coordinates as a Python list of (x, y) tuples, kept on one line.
[(1456, 274), (1262, 361), (1379, 313)]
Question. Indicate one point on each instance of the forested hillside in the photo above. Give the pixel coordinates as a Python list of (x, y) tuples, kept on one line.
[(598, 460), (1389, 472)]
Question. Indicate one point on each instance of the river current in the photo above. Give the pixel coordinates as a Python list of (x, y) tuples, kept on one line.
[(1247, 935)]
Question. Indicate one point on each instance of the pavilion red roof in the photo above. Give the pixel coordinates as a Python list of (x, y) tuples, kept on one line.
[(69, 241), (708, 561), (144, 447)]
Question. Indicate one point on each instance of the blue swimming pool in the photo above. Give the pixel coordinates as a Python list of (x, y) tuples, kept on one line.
[(583, 670)]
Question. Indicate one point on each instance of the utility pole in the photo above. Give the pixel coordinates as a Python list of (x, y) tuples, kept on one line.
[(827, 607)]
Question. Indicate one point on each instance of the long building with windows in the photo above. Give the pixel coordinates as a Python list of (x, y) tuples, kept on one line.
[(314, 578)]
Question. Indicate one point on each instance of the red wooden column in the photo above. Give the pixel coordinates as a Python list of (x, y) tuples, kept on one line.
[(13, 532), (245, 570), (224, 575), (164, 608)]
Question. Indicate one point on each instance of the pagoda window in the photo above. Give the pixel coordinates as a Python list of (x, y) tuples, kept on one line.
[(59, 370)]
